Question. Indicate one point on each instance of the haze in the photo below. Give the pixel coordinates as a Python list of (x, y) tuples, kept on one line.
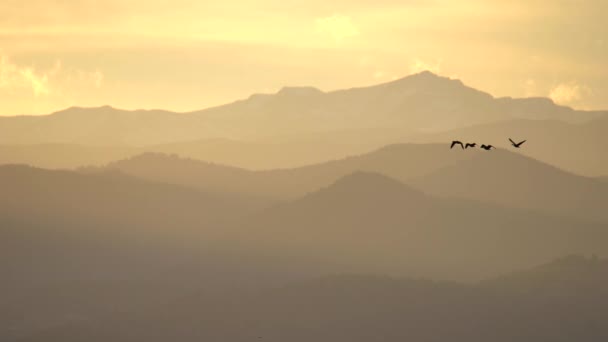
[(186, 55), (288, 171)]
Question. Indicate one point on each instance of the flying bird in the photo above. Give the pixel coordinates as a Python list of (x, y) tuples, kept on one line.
[(487, 147), (516, 145), (456, 142), (470, 145)]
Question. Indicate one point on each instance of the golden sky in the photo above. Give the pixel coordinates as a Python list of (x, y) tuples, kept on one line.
[(187, 54)]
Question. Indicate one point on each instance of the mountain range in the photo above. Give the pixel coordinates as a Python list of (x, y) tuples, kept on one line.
[(544, 303), (302, 125), (307, 216), (500, 177)]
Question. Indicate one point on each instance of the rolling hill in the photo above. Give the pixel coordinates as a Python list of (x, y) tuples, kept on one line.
[(368, 222), (418, 102), (513, 180), (399, 161), (365, 308), (500, 177), (77, 247), (578, 148)]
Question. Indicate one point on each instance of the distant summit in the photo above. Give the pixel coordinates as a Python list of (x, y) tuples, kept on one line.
[(299, 91), (380, 113), (369, 185)]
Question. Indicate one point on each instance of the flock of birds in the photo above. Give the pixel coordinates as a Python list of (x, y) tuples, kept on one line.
[(485, 147)]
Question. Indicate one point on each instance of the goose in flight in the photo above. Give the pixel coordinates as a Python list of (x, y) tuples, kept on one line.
[(487, 147), (456, 142), (470, 145), (516, 145)]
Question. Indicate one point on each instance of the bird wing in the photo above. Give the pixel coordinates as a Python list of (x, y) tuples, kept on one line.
[(512, 142), (456, 143), (521, 142)]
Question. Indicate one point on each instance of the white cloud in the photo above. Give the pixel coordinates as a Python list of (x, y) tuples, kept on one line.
[(569, 93), (419, 65), (14, 77), (339, 27), (53, 81)]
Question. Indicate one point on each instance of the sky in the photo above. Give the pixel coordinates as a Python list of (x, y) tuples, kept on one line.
[(185, 55)]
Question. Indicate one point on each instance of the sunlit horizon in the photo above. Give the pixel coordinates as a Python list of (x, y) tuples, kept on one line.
[(190, 55)]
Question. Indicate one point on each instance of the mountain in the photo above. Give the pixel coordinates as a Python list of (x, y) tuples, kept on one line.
[(249, 155), (570, 275), (500, 176), (77, 247), (398, 161), (578, 148), (513, 180), (102, 126), (62, 156), (349, 308), (109, 199), (367, 222), (418, 102), (106, 256)]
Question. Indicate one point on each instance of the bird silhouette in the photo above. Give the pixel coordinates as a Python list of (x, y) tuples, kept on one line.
[(487, 147), (456, 142), (470, 145), (516, 145)]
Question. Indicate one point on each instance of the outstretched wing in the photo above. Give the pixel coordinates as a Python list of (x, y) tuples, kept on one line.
[(521, 142), (456, 143), (512, 142)]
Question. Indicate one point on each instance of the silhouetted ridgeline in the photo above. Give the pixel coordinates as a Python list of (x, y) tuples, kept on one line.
[(502, 177), (169, 235), (364, 308), (299, 126)]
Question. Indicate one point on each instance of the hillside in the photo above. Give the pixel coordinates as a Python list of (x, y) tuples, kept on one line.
[(399, 161), (77, 247), (418, 102), (500, 177), (362, 308), (513, 180), (578, 148), (368, 222), (566, 276)]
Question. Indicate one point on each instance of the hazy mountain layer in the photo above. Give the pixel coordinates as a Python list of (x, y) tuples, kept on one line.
[(578, 148), (500, 177), (419, 102), (364, 308), (369, 222), (398, 161)]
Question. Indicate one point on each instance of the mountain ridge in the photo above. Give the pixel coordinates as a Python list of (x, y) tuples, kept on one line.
[(420, 102)]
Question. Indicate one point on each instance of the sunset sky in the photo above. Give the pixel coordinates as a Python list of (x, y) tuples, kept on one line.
[(184, 54)]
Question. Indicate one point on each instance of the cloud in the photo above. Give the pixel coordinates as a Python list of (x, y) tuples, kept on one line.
[(568, 93), (419, 65), (339, 27), (14, 77), (53, 81)]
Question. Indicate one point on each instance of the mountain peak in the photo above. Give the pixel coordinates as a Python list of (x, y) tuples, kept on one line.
[(427, 79), (299, 91), (81, 110), (427, 74), (369, 185)]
